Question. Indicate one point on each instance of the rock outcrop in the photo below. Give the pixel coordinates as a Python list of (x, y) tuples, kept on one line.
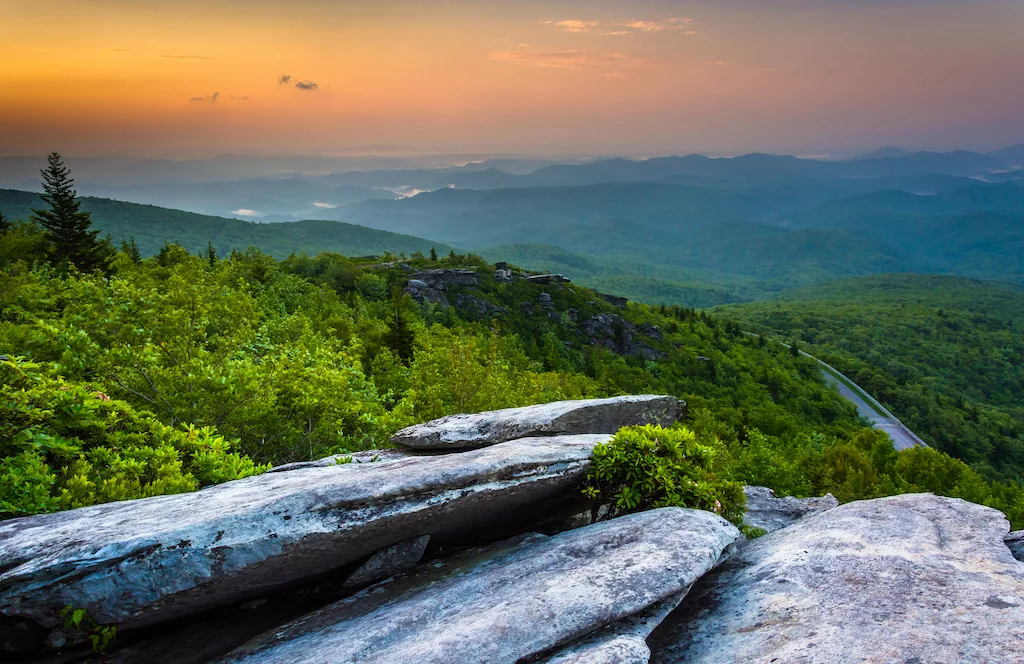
[(558, 418), (769, 513), (912, 578), (616, 334), (522, 602), (140, 562)]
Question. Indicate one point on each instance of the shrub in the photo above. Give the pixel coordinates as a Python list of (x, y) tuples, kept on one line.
[(66, 445), (645, 467)]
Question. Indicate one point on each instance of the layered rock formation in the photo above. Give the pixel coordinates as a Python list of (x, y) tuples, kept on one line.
[(140, 562), (560, 417), (524, 601), (480, 548)]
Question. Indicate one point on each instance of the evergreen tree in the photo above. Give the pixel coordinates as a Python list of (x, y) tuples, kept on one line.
[(211, 254), (67, 228), (5, 223), (433, 255), (400, 337), (794, 350), (131, 249)]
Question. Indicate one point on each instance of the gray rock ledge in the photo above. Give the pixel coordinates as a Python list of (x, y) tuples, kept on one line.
[(560, 417), (527, 600), (769, 513), (140, 562), (912, 578)]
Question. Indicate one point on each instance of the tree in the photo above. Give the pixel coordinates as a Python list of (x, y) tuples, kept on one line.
[(794, 350), (433, 255), (131, 249), (67, 228), (400, 337), (211, 254), (5, 223)]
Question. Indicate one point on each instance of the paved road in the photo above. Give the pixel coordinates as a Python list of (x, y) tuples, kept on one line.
[(902, 437), (879, 416)]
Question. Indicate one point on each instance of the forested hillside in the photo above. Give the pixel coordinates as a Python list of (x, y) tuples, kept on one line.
[(945, 354), (153, 226)]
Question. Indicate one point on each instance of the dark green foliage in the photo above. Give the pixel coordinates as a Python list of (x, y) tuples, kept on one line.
[(211, 254), (944, 354), (5, 223), (400, 338), (131, 250), (646, 467), (433, 255), (68, 229)]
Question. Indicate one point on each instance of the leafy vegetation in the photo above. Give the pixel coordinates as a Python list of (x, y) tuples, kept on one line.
[(179, 370), (645, 467), (944, 354)]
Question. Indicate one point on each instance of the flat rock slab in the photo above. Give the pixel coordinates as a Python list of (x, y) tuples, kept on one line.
[(392, 560), (622, 642), (141, 562), (906, 579), (769, 513), (550, 419), (525, 601)]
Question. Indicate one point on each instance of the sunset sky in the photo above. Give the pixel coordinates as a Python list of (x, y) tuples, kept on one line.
[(194, 78)]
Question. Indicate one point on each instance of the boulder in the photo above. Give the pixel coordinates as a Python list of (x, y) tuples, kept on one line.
[(141, 562), (386, 562), (769, 513), (622, 642), (1015, 541), (560, 417), (524, 601), (911, 578)]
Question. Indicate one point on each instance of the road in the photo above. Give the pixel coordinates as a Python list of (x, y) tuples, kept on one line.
[(879, 416)]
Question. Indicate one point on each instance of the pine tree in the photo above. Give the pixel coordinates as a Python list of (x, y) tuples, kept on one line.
[(5, 223), (211, 254), (400, 337), (433, 255), (131, 249), (67, 228)]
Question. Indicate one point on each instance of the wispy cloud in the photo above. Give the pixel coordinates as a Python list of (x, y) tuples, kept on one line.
[(306, 85), (328, 206), (668, 24), (574, 25), (285, 79), (573, 59), (238, 98), (245, 212), (678, 24), (215, 96), (197, 99)]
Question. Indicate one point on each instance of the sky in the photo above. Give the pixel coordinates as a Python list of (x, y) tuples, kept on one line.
[(188, 78)]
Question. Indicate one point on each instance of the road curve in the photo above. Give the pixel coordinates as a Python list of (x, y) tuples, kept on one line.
[(879, 416)]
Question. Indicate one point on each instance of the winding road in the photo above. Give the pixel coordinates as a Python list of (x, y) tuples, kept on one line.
[(869, 407)]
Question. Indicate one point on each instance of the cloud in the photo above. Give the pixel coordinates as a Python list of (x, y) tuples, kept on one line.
[(306, 85), (669, 24), (608, 62), (214, 97), (185, 57), (573, 25), (245, 212), (197, 99), (328, 206), (285, 79), (237, 98)]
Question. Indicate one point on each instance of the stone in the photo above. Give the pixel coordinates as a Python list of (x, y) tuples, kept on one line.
[(141, 562), (910, 578), (622, 642), (366, 456), (525, 601), (387, 562), (769, 513), (1015, 542), (615, 333), (560, 417)]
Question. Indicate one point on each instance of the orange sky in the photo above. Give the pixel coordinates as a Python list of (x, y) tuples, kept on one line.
[(184, 77)]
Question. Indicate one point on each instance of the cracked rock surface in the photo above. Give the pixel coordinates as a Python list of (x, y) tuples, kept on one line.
[(524, 601), (911, 579)]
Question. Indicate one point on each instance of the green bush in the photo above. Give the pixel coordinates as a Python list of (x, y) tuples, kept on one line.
[(645, 467), (66, 445)]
